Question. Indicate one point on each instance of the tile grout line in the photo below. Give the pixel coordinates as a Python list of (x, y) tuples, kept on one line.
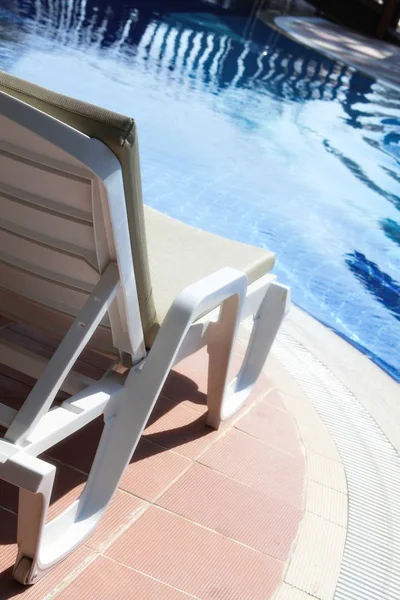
[(151, 577), (254, 437), (62, 585), (9, 510), (95, 553), (372, 468), (295, 556), (166, 510), (293, 587), (137, 514), (195, 460), (246, 485)]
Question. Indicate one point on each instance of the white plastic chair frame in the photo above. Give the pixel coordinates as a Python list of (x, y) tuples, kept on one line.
[(126, 401)]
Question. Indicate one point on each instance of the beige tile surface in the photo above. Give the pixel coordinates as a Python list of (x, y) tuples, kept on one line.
[(288, 592), (327, 503), (314, 567), (326, 471), (319, 441)]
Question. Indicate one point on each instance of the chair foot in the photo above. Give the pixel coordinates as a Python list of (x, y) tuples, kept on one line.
[(226, 400), (126, 405), (22, 571), (213, 420)]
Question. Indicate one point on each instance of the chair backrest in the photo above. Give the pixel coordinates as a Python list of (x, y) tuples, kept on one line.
[(63, 219), (119, 134)]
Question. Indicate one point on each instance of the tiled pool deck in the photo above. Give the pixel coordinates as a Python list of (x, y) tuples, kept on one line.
[(229, 514), (295, 498)]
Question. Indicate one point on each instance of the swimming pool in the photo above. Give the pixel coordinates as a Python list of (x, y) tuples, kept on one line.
[(247, 134)]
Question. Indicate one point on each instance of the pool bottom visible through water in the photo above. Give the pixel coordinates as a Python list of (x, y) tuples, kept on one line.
[(246, 134)]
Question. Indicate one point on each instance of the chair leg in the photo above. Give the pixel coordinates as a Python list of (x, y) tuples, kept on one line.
[(32, 511), (223, 399), (41, 546), (220, 340)]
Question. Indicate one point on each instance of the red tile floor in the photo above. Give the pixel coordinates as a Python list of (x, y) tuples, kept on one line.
[(199, 513)]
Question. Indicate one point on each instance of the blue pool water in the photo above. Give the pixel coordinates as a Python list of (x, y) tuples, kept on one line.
[(244, 133)]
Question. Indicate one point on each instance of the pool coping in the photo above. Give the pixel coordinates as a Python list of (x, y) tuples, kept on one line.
[(283, 25), (351, 513), (313, 568), (375, 390)]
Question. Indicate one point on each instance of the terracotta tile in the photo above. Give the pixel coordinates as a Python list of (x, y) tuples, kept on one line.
[(187, 383), (8, 496), (161, 410), (262, 386), (14, 386), (119, 514), (188, 380), (105, 579), (254, 463), (147, 475), (275, 399), (8, 553), (180, 428), (79, 449), (146, 480), (5, 321), (108, 579), (195, 367), (68, 485), (153, 468), (184, 390), (8, 539), (196, 560), (11, 589), (275, 427), (235, 510)]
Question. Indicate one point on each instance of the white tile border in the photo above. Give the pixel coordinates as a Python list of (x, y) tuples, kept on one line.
[(287, 592), (315, 564), (313, 567), (369, 466)]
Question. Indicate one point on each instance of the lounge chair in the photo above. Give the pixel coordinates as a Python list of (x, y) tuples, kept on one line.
[(76, 261)]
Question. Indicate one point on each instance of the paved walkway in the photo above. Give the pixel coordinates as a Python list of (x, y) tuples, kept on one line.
[(243, 513), (293, 499), (378, 59)]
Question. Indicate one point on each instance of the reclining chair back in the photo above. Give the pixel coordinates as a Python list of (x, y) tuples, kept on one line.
[(63, 220)]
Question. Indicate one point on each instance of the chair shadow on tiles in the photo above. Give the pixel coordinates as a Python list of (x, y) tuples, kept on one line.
[(167, 429), (176, 433), (178, 423)]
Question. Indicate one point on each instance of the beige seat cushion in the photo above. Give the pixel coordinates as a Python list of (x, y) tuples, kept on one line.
[(180, 255)]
